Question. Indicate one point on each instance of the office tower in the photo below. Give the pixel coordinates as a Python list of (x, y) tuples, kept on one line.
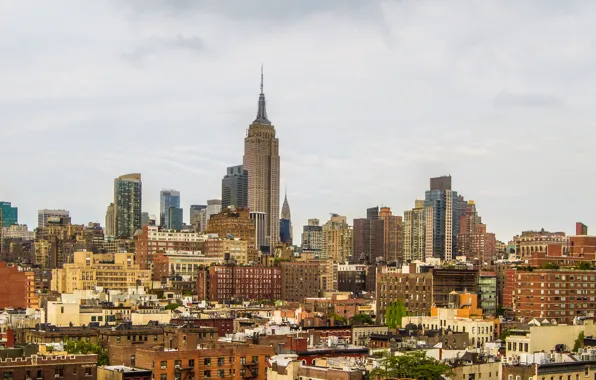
[(392, 237), (285, 223), (473, 241), (312, 237), (110, 219), (261, 160), (144, 219), (369, 244), (174, 219), (445, 205), (337, 239), (213, 207), (45, 214), (10, 215), (234, 188), (258, 219), (127, 205), (414, 233), (195, 213), (167, 199)]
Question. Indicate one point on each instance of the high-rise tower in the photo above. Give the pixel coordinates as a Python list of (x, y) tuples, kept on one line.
[(234, 188), (168, 199), (127, 205), (285, 222), (261, 161)]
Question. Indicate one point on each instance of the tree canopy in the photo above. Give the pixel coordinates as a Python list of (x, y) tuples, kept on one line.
[(413, 365), (362, 319), (82, 347)]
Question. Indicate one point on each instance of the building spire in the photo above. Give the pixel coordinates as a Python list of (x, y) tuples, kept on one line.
[(262, 111)]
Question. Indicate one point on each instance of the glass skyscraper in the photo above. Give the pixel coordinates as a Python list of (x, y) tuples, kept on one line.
[(167, 200), (10, 215), (234, 188)]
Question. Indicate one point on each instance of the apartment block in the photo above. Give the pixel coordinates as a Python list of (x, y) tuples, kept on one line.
[(300, 280), (111, 271), (153, 239), (229, 282)]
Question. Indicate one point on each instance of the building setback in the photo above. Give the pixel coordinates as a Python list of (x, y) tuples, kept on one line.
[(261, 160)]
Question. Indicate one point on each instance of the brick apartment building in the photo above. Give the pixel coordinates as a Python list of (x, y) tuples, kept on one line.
[(419, 291), (553, 294), (223, 325), (71, 367), (21, 292), (230, 282), (300, 280), (153, 239), (224, 361)]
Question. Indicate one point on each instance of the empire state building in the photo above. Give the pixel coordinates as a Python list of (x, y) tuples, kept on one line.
[(261, 161)]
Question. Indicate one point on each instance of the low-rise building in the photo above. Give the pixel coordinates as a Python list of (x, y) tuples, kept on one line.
[(121, 372)]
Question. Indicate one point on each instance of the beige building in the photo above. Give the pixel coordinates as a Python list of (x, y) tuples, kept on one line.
[(488, 370), (109, 232), (537, 241), (337, 239), (261, 160), (43, 250), (116, 271), (414, 233), (361, 334), (533, 338)]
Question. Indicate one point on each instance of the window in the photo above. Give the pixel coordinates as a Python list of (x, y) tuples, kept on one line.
[(221, 373), (207, 361), (207, 374), (163, 376), (39, 374), (8, 375), (88, 371), (178, 363), (191, 362), (28, 374), (221, 361), (59, 372), (163, 364)]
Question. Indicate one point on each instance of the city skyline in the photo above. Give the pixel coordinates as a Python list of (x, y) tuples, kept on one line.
[(491, 136)]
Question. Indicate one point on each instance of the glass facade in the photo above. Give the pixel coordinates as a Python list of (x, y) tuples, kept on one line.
[(234, 188), (10, 215), (127, 205), (175, 218), (284, 231), (445, 204), (167, 200)]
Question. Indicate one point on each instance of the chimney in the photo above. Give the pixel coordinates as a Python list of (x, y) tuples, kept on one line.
[(10, 338)]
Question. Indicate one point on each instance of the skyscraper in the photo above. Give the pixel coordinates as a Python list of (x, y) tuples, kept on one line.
[(392, 225), (127, 205), (175, 218), (234, 188), (285, 222), (414, 236), (337, 239), (258, 219), (369, 233), (445, 205), (195, 212), (110, 219), (261, 160), (45, 214), (312, 237), (10, 215), (167, 199)]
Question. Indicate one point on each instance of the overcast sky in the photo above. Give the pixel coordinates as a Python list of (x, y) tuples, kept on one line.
[(369, 100)]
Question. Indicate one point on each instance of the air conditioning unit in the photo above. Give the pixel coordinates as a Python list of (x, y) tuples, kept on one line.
[(178, 366)]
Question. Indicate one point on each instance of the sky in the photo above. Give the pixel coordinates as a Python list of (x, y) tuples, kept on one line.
[(369, 100)]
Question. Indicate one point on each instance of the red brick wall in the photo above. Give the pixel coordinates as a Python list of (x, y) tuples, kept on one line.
[(14, 295)]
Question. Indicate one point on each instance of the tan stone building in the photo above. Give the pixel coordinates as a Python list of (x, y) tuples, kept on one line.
[(116, 271), (337, 239), (414, 233), (234, 222), (261, 161)]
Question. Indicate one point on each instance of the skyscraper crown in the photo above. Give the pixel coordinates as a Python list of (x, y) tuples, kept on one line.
[(262, 111)]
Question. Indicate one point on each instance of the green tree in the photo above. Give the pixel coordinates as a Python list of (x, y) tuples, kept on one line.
[(579, 342), (583, 266), (338, 319), (504, 334), (414, 365), (83, 347), (362, 319), (550, 265), (395, 313), (172, 306)]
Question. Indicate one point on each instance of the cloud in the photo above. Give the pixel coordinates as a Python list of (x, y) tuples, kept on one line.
[(507, 99), (157, 45)]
